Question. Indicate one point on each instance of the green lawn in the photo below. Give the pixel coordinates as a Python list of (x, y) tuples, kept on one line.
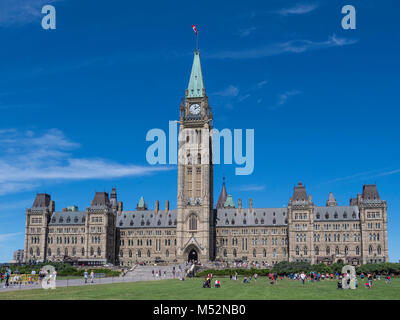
[(191, 289)]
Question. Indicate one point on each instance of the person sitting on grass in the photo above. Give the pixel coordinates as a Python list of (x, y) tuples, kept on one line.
[(245, 280), (339, 285), (217, 284)]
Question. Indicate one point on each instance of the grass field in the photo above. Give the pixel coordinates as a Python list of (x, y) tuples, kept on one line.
[(191, 289)]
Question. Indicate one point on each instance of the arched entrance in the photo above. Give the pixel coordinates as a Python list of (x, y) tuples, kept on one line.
[(192, 256)]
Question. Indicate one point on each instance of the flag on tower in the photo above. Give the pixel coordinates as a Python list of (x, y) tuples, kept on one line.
[(194, 29)]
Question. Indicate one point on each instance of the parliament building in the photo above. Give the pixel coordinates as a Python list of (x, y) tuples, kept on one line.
[(198, 230)]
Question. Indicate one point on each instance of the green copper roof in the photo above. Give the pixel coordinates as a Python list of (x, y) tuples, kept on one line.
[(72, 208), (196, 84), (229, 202), (141, 203)]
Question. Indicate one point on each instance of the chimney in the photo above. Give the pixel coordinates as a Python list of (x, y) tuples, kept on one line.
[(157, 206), (251, 204), (166, 205)]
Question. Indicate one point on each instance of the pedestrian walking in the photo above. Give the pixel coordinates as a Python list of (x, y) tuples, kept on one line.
[(91, 277), (85, 276)]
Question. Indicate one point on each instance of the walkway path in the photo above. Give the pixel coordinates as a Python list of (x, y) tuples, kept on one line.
[(139, 273)]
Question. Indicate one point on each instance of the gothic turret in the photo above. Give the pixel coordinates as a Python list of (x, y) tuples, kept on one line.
[(222, 196)]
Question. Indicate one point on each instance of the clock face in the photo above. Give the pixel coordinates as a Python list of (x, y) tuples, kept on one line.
[(194, 108)]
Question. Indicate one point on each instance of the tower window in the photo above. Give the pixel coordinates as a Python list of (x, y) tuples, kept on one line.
[(193, 222)]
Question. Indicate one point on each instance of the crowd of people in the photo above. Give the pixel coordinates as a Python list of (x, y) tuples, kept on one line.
[(303, 277)]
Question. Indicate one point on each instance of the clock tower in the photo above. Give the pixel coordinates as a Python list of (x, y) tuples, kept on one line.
[(195, 232)]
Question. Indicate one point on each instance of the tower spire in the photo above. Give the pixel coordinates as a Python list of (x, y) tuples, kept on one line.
[(196, 84)]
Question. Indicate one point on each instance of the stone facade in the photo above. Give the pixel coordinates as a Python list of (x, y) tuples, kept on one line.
[(301, 231)]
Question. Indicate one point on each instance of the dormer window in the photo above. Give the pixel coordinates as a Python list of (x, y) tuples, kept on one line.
[(53, 220), (335, 215), (83, 219), (244, 221), (256, 221), (327, 215), (274, 221), (169, 222), (131, 223), (147, 222), (262, 220), (76, 219), (68, 220), (61, 220), (226, 221), (121, 223), (159, 222), (233, 221), (345, 215)]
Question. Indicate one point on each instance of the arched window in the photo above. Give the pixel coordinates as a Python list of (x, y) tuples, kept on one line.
[(297, 251), (244, 221), (357, 250), (139, 254), (225, 253), (327, 215), (317, 251), (148, 253), (274, 221), (337, 250), (83, 252), (68, 219), (328, 251), (318, 215), (254, 253), (264, 253), (167, 253), (234, 253), (346, 250), (370, 250), (98, 251), (92, 251), (130, 253), (66, 251), (58, 251), (305, 251), (335, 215), (379, 250), (193, 222), (274, 253), (345, 215), (49, 252)]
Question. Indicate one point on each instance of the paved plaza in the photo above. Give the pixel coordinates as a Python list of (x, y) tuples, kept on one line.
[(139, 273)]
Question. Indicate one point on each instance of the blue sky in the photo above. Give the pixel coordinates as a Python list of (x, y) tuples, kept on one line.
[(76, 102)]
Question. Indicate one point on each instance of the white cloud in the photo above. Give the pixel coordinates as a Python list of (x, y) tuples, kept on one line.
[(292, 46), (250, 187), (245, 32), (283, 97), (261, 84), (27, 160), (300, 8), (6, 236), (20, 12), (230, 91)]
